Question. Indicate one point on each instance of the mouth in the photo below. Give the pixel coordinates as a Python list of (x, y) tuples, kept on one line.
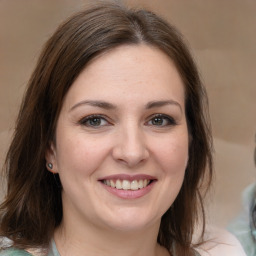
[(126, 184)]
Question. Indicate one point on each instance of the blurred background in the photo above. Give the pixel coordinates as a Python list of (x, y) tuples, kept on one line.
[(222, 36)]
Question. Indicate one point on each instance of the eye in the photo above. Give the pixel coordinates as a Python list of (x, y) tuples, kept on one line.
[(161, 120), (94, 121)]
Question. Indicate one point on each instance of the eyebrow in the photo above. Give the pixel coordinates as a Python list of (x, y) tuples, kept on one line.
[(95, 103), (109, 106), (161, 103)]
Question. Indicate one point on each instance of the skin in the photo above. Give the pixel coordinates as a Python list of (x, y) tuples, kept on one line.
[(127, 138)]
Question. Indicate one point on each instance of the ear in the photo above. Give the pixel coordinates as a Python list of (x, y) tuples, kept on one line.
[(50, 157)]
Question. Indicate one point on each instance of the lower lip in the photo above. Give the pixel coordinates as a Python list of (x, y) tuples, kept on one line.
[(129, 194)]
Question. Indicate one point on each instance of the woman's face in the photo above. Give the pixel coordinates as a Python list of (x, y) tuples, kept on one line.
[(122, 140)]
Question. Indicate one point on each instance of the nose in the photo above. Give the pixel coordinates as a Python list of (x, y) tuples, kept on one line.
[(130, 147)]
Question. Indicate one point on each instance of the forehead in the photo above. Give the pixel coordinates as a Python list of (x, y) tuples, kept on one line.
[(129, 71)]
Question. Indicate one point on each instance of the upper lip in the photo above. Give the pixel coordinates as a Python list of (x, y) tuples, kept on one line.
[(128, 177)]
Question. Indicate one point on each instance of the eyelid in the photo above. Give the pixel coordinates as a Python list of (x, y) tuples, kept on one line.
[(164, 116), (83, 120)]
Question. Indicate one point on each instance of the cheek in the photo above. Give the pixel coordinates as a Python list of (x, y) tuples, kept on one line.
[(79, 155), (173, 155), (172, 158)]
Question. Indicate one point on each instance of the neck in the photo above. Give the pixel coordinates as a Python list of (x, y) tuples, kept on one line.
[(80, 239)]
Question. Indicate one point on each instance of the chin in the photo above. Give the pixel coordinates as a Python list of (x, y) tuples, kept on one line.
[(128, 227), (132, 221)]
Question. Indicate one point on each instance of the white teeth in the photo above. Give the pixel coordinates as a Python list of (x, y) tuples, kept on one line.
[(140, 184), (134, 185), (118, 184), (112, 184), (126, 184)]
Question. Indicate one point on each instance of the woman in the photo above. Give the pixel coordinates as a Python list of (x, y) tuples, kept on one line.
[(111, 144)]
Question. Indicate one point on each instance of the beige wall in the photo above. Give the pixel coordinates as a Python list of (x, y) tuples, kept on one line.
[(222, 34)]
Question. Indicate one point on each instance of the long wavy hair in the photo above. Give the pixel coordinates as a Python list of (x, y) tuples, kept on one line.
[(32, 208)]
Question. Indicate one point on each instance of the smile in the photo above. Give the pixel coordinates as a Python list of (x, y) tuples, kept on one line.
[(126, 184)]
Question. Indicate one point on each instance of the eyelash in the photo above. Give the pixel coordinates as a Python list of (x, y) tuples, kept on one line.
[(170, 120), (99, 118), (91, 118)]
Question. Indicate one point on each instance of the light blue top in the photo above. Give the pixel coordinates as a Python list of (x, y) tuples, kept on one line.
[(17, 252), (242, 227), (51, 252)]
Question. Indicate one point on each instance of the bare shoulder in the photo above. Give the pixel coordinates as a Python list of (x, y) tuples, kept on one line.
[(220, 242)]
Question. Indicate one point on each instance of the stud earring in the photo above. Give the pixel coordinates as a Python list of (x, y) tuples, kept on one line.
[(50, 165)]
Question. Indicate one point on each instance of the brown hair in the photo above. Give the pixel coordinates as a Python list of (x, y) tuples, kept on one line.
[(33, 207)]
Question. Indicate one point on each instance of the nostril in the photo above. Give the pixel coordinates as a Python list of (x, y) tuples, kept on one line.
[(130, 146), (130, 155)]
